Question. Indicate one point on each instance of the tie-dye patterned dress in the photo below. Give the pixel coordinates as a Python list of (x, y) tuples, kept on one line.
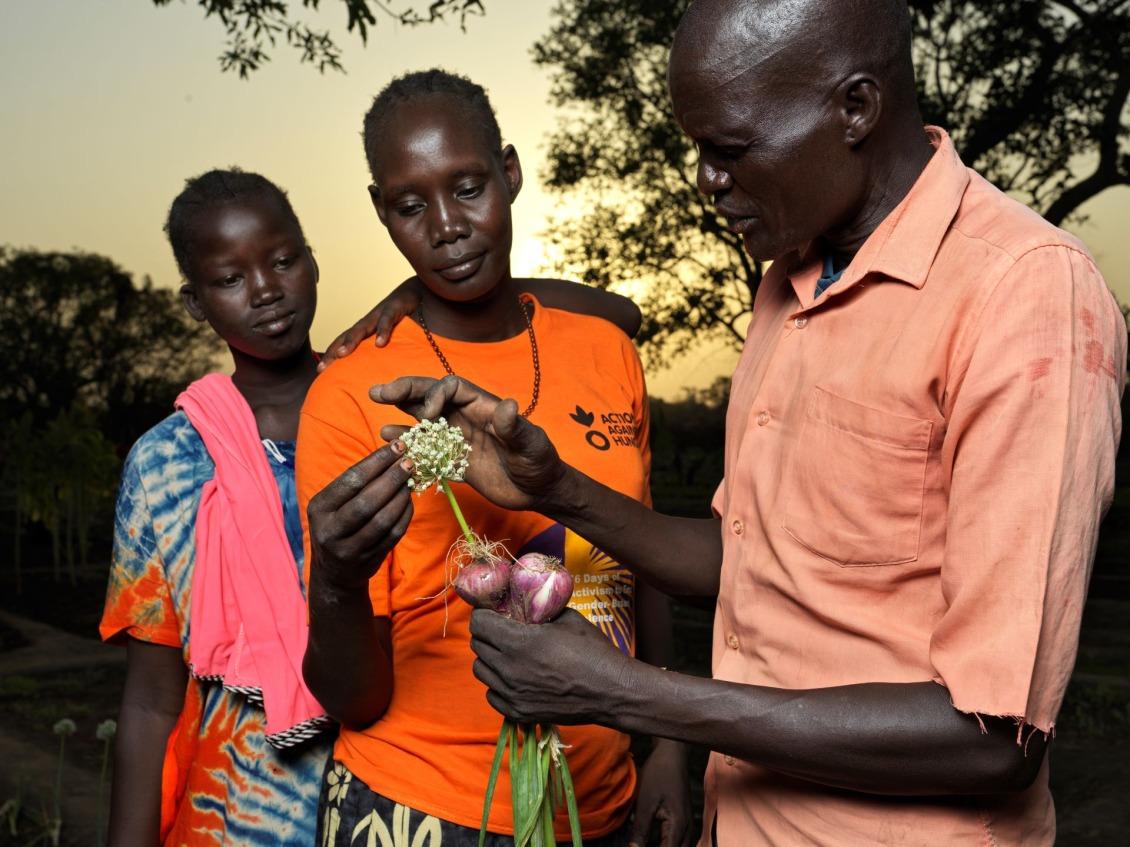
[(223, 784)]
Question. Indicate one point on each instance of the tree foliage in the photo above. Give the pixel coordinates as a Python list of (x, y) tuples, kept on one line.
[(88, 361), (1034, 93), (76, 332), (255, 27)]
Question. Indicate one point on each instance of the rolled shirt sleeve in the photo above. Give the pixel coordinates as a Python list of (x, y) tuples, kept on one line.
[(1033, 427)]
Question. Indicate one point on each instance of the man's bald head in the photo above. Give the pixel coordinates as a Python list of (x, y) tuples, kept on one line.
[(809, 41), (801, 111)]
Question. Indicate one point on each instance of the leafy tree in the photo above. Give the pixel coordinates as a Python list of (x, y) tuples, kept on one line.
[(62, 477), (88, 360), (76, 332), (254, 27), (1034, 93)]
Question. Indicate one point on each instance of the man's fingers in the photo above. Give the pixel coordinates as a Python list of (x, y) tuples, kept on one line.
[(496, 687), (486, 651), (573, 619), (406, 393), (485, 674), (440, 396), (503, 707), (352, 481), (426, 398), (522, 438), (491, 629), (505, 422)]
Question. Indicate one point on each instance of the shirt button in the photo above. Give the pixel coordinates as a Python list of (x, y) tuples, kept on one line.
[(801, 322), (763, 419), (729, 760), (732, 640), (738, 527)]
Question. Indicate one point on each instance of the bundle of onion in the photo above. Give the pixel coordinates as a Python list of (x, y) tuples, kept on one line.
[(533, 589)]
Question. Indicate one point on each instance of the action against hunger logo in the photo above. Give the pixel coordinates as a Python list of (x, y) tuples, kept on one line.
[(619, 428)]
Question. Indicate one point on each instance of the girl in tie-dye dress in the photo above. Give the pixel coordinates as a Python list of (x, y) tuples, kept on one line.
[(192, 762)]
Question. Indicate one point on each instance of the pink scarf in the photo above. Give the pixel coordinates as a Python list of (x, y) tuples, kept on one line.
[(248, 625)]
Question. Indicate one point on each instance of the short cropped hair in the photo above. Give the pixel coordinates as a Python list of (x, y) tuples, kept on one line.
[(211, 190), (470, 95)]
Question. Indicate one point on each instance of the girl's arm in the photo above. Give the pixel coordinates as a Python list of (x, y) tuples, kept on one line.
[(586, 300), (152, 701), (557, 293)]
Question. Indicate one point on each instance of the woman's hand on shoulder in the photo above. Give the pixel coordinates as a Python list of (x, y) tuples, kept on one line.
[(380, 321)]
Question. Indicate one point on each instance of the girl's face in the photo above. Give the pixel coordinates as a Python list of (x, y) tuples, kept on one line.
[(252, 277), (445, 198)]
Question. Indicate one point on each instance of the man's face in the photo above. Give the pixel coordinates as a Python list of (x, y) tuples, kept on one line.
[(770, 151)]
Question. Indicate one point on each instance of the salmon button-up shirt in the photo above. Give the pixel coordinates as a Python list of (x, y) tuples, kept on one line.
[(916, 465)]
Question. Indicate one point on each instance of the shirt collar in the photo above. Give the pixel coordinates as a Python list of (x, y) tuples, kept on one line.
[(904, 245)]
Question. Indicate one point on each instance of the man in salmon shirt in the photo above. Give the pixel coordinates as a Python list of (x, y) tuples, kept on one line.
[(920, 446)]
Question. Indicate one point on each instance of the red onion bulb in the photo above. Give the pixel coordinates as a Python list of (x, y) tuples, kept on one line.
[(540, 588), (485, 583)]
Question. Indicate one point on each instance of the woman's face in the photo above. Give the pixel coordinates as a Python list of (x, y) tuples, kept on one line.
[(252, 277), (445, 197)]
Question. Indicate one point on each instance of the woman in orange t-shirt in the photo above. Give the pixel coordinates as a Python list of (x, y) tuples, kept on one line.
[(388, 654)]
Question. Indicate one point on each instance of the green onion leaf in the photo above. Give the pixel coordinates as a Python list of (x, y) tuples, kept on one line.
[(495, 766)]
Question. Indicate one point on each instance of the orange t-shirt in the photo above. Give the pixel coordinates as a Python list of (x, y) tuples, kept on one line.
[(432, 749)]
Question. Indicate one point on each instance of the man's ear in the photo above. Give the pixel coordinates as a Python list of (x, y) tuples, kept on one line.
[(861, 104), (375, 196), (191, 304), (512, 170)]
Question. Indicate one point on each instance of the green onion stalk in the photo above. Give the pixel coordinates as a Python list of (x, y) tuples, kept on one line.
[(533, 589)]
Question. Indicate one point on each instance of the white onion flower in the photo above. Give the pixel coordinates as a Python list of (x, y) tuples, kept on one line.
[(64, 727), (438, 452)]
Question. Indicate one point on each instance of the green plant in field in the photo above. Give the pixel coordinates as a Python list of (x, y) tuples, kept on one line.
[(10, 811), (105, 733)]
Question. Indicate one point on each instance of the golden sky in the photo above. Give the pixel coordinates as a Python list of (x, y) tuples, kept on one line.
[(109, 106)]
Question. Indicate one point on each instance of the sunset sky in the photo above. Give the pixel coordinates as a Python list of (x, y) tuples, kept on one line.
[(108, 105)]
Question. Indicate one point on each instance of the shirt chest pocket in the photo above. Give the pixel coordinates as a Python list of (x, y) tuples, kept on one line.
[(854, 491)]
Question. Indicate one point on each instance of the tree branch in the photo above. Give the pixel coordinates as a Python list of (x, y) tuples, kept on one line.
[(1109, 170)]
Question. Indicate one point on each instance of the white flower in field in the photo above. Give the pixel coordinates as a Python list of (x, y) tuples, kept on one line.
[(64, 727), (439, 453), (106, 730)]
